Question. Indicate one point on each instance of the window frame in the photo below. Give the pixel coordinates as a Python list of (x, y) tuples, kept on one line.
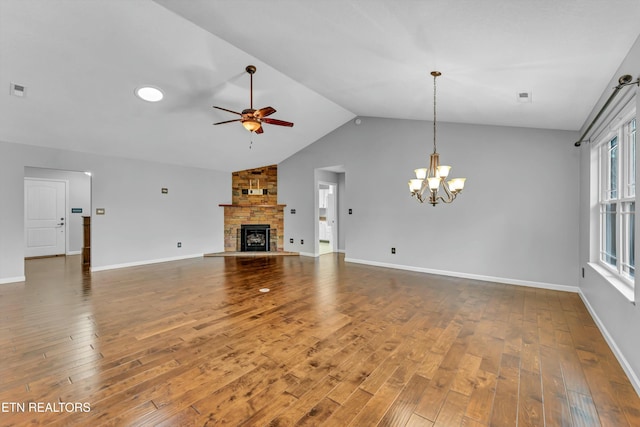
[(621, 196)]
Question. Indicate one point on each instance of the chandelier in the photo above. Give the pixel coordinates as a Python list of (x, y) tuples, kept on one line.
[(434, 177)]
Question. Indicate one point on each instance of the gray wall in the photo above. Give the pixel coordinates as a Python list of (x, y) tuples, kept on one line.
[(515, 221), (141, 224), (616, 316), (79, 196)]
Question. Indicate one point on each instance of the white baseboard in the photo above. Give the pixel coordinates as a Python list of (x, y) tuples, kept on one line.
[(318, 254), (12, 279), (633, 378), (74, 253), (146, 262), (507, 281)]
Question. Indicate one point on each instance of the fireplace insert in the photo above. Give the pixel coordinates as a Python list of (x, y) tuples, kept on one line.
[(254, 237)]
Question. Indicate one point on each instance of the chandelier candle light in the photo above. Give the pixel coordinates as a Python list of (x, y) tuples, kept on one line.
[(435, 175)]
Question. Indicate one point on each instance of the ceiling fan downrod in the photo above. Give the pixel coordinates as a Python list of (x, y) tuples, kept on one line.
[(251, 69)]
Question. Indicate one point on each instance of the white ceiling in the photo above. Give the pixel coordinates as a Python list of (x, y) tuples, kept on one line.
[(320, 64)]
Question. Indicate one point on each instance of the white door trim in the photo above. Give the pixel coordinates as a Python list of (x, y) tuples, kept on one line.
[(334, 228)]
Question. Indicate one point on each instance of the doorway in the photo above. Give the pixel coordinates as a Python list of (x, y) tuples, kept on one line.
[(55, 204), (327, 217)]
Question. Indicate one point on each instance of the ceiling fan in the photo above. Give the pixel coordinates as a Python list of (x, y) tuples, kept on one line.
[(251, 119)]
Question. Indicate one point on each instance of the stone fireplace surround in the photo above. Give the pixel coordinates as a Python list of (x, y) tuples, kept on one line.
[(254, 209)]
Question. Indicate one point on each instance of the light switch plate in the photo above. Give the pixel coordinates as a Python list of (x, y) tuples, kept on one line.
[(99, 211)]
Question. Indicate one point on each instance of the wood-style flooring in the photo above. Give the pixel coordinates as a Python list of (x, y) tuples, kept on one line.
[(195, 343)]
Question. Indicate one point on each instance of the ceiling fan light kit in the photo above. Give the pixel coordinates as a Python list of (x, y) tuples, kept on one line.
[(251, 119), (434, 177), (251, 125)]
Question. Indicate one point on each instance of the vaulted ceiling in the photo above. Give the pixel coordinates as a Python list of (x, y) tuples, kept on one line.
[(319, 64)]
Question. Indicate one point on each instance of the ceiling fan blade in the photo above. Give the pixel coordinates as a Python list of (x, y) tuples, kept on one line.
[(260, 130), (264, 112), (227, 121), (277, 122), (224, 109)]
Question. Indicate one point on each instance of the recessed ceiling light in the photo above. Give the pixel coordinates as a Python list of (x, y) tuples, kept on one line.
[(149, 93)]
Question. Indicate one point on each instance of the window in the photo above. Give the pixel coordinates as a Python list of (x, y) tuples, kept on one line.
[(617, 191)]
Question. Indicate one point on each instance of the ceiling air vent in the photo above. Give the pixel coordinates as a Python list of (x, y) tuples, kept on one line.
[(18, 90), (523, 96)]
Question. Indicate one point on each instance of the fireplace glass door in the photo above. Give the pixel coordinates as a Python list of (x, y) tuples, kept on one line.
[(255, 238)]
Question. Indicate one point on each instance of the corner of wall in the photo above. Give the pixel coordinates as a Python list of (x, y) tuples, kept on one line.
[(626, 366)]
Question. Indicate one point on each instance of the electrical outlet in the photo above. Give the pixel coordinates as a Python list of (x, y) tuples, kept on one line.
[(179, 244), (393, 250), (350, 211), (290, 240), (301, 242)]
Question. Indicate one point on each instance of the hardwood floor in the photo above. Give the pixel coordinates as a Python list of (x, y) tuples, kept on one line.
[(195, 342)]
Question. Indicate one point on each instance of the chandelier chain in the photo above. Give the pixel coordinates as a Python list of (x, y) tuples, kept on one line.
[(434, 112)]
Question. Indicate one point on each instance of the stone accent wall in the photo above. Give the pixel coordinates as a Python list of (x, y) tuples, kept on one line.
[(254, 209), (267, 177)]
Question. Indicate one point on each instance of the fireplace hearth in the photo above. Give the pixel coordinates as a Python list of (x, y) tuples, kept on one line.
[(255, 237)]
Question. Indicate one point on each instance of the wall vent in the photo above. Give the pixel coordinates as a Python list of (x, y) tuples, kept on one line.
[(523, 96)]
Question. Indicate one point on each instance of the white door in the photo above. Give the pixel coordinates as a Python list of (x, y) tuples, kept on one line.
[(44, 217)]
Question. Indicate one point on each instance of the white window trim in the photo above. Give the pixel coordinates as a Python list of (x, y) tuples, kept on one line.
[(614, 280), (613, 276)]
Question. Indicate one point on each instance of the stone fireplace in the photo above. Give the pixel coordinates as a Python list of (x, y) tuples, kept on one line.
[(254, 202)]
